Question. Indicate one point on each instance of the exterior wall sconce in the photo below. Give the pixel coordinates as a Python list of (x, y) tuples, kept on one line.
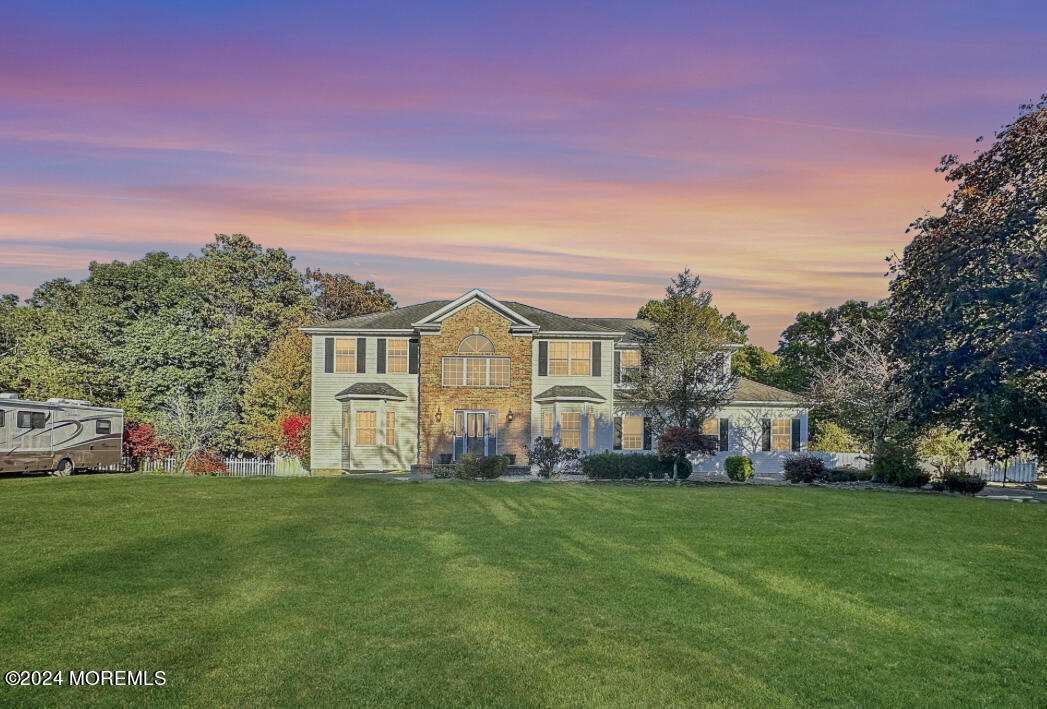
[(439, 415), (509, 416)]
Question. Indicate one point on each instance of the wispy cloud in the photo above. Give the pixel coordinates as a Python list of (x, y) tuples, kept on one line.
[(569, 158)]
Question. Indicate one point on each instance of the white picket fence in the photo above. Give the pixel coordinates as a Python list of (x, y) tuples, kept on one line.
[(236, 467), (1017, 470), (858, 461)]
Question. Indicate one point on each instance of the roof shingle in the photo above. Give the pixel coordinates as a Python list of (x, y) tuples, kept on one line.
[(370, 390)]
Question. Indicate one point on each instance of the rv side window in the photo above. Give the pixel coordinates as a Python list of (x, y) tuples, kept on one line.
[(31, 419), (103, 426)]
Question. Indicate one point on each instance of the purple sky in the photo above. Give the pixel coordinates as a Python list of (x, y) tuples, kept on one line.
[(573, 156)]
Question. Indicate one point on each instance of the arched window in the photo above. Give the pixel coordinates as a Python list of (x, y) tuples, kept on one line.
[(476, 344)]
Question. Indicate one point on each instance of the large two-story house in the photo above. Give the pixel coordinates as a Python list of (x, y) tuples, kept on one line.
[(427, 383)]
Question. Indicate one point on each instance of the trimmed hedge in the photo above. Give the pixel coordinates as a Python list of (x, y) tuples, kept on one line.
[(963, 484), (630, 466), (473, 467), (847, 474), (804, 469), (739, 467)]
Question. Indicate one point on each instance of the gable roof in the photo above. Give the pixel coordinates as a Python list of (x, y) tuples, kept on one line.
[(396, 319), (434, 318), (524, 317), (554, 322), (623, 325), (748, 390)]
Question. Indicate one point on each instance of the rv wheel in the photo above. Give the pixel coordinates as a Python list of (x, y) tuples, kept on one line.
[(64, 468)]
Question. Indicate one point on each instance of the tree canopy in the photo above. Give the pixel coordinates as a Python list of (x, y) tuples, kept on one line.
[(814, 339), (969, 295), (136, 334)]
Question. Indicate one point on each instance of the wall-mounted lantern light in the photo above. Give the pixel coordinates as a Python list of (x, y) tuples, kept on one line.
[(439, 415), (509, 416)]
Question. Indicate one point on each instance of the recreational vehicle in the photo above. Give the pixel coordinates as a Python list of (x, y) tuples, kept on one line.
[(57, 435)]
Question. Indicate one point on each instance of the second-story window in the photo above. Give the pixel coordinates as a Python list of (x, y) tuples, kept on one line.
[(570, 358), (345, 354), (630, 364), (476, 371), (396, 355)]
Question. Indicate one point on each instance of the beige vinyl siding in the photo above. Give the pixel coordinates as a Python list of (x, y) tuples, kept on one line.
[(745, 429), (602, 413), (327, 449)]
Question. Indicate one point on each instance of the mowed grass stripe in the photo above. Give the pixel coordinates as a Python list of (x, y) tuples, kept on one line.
[(324, 591)]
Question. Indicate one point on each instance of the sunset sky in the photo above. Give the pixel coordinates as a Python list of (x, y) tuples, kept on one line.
[(573, 156)]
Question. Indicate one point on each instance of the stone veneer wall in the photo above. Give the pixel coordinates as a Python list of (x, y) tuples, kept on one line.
[(436, 437)]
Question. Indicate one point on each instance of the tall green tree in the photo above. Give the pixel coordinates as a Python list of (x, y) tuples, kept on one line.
[(733, 328), (336, 296), (253, 296), (682, 380), (277, 385), (970, 295), (133, 334), (814, 339), (756, 363)]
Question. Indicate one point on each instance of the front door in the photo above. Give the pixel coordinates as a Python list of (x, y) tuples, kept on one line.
[(474, 433)]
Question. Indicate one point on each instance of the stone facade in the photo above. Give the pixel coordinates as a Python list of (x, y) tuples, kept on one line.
[(437, 437)]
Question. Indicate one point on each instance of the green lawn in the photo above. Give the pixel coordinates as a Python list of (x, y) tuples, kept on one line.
[(317, 592)]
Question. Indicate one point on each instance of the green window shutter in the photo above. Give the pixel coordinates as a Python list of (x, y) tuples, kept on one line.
[(597, 349), (766, 434), (380, 354), (543, 358), (617, 367), (647, 434), (725, 425), (412, 357), (328, 354), (796, 434), (361, 355), (617, 433)]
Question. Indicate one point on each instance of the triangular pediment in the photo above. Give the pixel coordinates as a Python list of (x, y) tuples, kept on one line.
[(518, 322)]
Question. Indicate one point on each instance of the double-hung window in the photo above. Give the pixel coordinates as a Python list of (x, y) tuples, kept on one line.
[(630, 363), (390, 428), (632, 433), (711, 427), (396, 349), (570, 430), (781, 434), (345, 354), (366, 428), (570, 358)]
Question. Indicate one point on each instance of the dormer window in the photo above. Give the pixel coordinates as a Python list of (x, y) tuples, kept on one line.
[(476, 344)]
